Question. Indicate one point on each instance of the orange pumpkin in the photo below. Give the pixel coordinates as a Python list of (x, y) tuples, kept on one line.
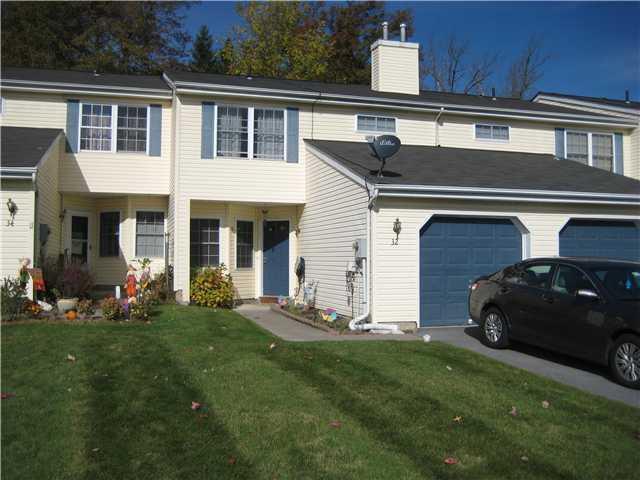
[(71, 315)]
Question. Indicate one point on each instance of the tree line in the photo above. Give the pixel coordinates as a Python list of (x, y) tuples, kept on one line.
[(326, 42)]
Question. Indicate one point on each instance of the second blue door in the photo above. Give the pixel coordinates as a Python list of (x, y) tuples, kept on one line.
[(275, 276)]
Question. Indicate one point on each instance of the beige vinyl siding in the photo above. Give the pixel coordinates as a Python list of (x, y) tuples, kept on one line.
[(396, 267), (244, 279), (632, 161), (17, 240), (49, 201), (35, 110), (395, 67), (334, 215)]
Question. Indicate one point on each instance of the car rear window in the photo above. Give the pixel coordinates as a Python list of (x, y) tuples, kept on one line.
[(621, 281)]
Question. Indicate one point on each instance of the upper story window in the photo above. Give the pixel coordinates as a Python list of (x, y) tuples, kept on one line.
[(371, 123), (98, 122), (132, 129), (492, 132), (593, 149), (248, 132)]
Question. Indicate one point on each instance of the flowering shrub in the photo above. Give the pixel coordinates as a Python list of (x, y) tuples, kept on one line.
[(212, 287), (140, 311), (85, 307), (112, 309)]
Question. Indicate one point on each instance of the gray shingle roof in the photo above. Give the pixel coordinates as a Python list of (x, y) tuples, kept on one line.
[(602, 100), (303, 87), (23, 147), (89, 79), (461, 167)]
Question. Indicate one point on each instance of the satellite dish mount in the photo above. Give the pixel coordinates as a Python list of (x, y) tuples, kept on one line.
[(384, 147)]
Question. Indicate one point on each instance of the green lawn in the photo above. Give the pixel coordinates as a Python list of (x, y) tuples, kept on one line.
[(122, 410)]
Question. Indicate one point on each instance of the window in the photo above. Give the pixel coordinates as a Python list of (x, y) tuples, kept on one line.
[(578, 147), (621, 281), (370, 123), (569, 280), (95, 127), (205, 242), (109, 234), (244, 244), (232, 132), (132, 129), (602, 146), (492, 132), (149, 234), (593, 149), (529, 275), (268, 134)]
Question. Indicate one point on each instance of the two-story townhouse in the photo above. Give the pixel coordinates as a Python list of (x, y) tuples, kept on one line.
[(263, 171)]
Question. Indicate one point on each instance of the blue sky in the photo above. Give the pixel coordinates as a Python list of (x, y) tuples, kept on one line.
[(594, 47)]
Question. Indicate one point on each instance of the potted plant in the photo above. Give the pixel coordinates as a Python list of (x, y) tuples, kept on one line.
[(76, 283)]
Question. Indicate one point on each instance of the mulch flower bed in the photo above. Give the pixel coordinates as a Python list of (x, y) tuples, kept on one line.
[(312, 317)]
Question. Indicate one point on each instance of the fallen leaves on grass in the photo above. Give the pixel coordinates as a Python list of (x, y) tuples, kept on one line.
[(449, 368), (195, 405), (524, 458), (545, 404), (457, 419), (335, 424), (6, 395), (95, 450), (272, 346), (513, 412), (450, 460), (232, 460), (70, 358), (210, 348)]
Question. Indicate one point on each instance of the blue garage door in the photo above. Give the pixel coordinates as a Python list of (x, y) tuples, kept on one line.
[(453, 252), (594, 238)]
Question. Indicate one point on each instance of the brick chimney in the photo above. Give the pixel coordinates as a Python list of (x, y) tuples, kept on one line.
[(395, 64)]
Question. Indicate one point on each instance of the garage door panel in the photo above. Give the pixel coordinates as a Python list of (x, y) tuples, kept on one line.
[(454, 251), (596, 238)]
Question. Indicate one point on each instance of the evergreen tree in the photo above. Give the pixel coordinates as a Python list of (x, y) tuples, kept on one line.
[(202, 54)]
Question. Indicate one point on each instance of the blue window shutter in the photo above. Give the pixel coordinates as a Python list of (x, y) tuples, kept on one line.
[(208, 114), (560, 143), (155, 130), (73, 127), (618, 163), (292, 134)]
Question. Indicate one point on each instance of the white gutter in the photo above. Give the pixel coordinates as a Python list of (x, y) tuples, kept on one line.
[(437, 139), (587, 103)]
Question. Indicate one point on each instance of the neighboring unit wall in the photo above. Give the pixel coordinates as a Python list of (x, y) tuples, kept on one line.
[(48, 202), (334, 215), (396, 267), (17, 240)]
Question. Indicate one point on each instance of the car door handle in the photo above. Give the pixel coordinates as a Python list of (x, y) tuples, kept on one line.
[(547, 298)]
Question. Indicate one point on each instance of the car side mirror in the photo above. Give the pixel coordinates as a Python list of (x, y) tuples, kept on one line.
[(585, 292)]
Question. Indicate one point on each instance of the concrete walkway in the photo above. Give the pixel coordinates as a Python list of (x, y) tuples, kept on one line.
[(293, 331), (576, 373)]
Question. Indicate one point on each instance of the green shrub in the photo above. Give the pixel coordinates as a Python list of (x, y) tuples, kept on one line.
[(85, 307), (112, 309), (212, 287), (140, 311), (12, 298)]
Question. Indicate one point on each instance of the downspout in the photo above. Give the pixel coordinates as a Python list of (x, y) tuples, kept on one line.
[(437, 142), (356, 323)]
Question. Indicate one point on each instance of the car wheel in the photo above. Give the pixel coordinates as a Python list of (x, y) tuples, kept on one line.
[(624, 360), (494, 329)]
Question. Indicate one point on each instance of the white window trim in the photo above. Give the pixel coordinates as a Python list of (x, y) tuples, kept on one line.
[(250, 131), (253, 260), (491, 140), (135, 232), (220, 236), (590, 146), (3, 105), (375, 132), (114, 127), (120, 220)]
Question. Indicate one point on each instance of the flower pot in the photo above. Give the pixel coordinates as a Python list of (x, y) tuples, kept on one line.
[(66, 304)]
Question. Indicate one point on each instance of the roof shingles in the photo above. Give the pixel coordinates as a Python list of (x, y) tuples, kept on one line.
[(24, 147)]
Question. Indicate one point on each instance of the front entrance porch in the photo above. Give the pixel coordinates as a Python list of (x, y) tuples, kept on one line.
[(256, 242)]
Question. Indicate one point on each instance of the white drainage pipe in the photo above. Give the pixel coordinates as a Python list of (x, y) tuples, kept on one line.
[(355, 324)]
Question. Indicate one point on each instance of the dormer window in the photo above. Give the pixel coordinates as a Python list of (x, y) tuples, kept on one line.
[(375, 124), (492, 132)]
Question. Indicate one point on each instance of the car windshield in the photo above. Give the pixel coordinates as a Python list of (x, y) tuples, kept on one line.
[(623, 282)]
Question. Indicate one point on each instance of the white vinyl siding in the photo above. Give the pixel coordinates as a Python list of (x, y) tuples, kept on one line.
[(492, 132), (17, 239), (375, 124), (334, 216)]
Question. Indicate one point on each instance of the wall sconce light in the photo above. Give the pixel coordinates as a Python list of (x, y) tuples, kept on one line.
[(63, 214), (397, 228), (13, 209)]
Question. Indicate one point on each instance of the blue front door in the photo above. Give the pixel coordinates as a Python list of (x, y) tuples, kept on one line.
[(596, 238), (275, 276), (453, 252)]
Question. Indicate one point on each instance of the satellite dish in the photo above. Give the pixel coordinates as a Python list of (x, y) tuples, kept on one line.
[(384, 147)]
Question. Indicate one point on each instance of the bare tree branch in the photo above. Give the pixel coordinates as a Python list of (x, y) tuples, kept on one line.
[(526, 70)]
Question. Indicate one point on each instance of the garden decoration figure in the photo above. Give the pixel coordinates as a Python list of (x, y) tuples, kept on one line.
[(131, 283), (145, 281), (23, 272)]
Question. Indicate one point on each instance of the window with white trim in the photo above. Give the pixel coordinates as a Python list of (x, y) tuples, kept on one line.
[(268, 134), (204, 242), (492, 132), (244, 244), (232, 131), (593, 149), (132, 129), (149, 234), (372, 123), (96, 127)]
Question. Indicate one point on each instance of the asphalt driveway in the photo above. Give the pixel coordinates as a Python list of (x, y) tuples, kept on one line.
[(567, 370)]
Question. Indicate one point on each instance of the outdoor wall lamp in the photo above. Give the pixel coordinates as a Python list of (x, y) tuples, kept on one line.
[(13, 209), (397, 228)]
